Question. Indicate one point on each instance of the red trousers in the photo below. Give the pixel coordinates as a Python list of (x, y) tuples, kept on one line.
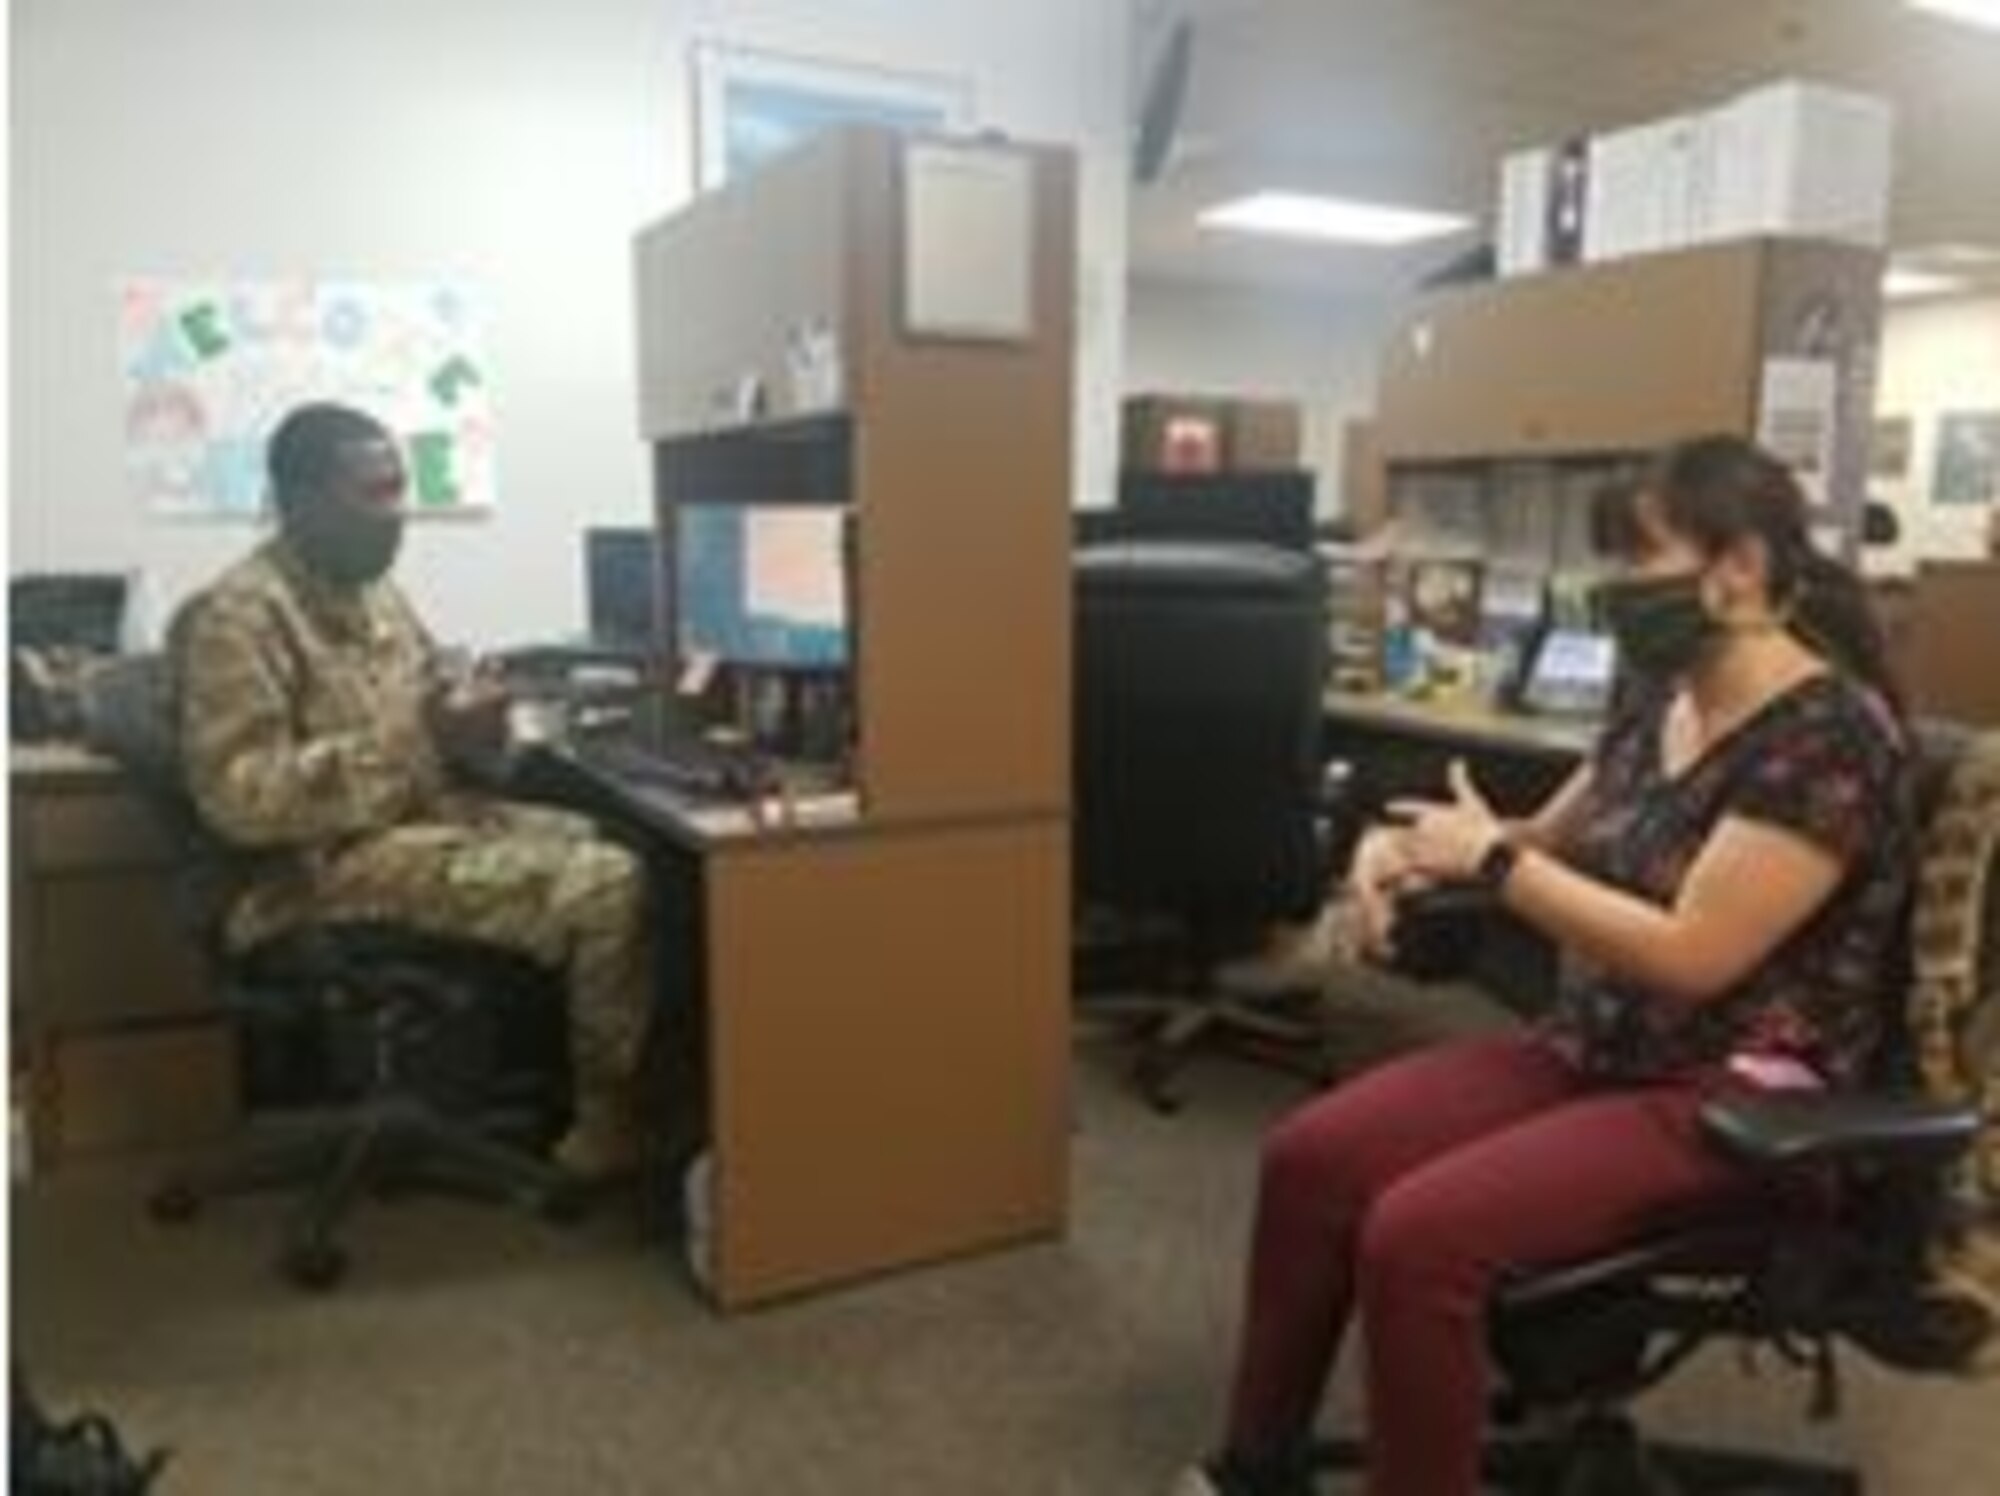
[(1402, 1194)]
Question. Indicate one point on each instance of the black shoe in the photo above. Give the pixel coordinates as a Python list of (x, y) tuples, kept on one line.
[(81, 1456)]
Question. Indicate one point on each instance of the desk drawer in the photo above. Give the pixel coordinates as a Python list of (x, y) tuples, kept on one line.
[(91, 829), (109, 947), (126, 1089)]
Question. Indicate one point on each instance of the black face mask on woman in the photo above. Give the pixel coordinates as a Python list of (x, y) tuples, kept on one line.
[(1661, 624)]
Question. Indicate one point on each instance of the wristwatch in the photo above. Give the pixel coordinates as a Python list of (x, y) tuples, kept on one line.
[(1496, 863)]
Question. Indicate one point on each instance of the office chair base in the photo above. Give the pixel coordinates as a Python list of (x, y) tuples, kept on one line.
[(391, 1147), (1173, 1031), (1605, 1456)]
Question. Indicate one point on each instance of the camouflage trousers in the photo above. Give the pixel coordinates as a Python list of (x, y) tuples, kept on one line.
[(536, 882)]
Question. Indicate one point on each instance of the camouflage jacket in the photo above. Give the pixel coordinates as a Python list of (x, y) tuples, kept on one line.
[(301, 720)]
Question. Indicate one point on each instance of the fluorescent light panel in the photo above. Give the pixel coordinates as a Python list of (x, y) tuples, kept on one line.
[(1901, 283), (1967, 256), (1298, 215), (1971, 12)]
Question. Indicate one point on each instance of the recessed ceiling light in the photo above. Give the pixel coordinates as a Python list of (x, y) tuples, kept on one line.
[(1902, 283), (1299, 215), (1972, 12), (1966, 256)]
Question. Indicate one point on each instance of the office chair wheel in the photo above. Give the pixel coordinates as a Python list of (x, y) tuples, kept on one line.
[(1153, 1074), (314, 1265), (172, 1204)]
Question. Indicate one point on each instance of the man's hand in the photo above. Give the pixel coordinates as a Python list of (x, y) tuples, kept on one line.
[(468, 721)]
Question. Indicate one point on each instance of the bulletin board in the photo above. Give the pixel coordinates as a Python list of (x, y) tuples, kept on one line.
[(208, 367)]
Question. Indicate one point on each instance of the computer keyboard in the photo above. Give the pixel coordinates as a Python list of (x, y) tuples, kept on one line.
[(686, 766), (693, 785)]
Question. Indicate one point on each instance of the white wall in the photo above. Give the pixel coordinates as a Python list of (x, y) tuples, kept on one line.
[(1185, 338), (515, 144), (1938, 357)]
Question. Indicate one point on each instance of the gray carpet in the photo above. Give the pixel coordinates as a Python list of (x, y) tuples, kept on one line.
[(475, 1352)]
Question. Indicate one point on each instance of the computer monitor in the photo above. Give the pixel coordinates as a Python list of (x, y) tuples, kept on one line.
[(762, 585), (1270, 508), (621, 584), (1570, 673), (68, 610)]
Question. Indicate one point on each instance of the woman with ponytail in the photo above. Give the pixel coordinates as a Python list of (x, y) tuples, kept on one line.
[(1725, 876), (1720, 492)]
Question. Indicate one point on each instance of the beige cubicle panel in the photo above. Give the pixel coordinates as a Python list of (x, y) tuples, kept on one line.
[(887, 1002), (1599, 358), (888, 1028), (1951, 649), (1631, 354)]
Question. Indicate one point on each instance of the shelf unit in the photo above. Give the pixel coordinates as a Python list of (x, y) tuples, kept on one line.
[(1502, 407), (886, 1000)]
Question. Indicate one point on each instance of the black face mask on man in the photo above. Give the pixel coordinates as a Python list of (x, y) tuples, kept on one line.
[(1661, 624), (349, 530), (348, 547)]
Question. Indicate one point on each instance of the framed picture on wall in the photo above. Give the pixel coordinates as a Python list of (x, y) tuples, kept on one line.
[(751, 105), (1968, 458)]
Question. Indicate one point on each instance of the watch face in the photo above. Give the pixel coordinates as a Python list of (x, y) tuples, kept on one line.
[(1498, 862)]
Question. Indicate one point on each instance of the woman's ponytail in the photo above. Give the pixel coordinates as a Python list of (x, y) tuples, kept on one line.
[(1833, 613)]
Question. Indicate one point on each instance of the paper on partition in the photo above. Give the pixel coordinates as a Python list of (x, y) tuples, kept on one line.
[(785, 568), (968, 241), (1797, 410)]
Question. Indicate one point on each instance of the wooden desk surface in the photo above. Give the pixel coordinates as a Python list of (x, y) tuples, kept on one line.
[(1476, 726), (58, 763)]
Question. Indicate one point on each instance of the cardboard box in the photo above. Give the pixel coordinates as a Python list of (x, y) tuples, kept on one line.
[(1206, 434), (1174, 433), (1795, 158), (1526, 181), (124, 1089), (1263, 436), (1789, 159), (1637, 192)]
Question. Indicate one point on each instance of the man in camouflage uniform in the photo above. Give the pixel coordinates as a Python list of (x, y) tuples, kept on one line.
[(315, 726)]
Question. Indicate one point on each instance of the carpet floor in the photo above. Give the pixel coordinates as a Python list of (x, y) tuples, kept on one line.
[(473, 1351)]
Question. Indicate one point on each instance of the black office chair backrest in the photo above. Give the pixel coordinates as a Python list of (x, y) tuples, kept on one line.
[(1199, 669), (129, 714)]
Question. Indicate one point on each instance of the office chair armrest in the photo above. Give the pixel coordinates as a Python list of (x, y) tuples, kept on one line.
[(1438, 930), (1796, 1128)]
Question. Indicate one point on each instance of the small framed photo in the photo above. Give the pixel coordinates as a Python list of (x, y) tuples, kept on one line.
[(751, 106), (1968, 459), (1443, 598)]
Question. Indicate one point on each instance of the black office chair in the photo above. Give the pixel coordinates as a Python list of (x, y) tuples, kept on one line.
[(1572, 1346), (1198, 801), (439, 1060)]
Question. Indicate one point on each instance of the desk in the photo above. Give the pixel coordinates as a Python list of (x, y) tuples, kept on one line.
[(1400, 746), (1465, 727), (124, 1041), (1396, 747), (884, 1009)]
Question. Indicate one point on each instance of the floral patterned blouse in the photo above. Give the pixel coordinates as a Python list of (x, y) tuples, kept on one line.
[(1825, 759)]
